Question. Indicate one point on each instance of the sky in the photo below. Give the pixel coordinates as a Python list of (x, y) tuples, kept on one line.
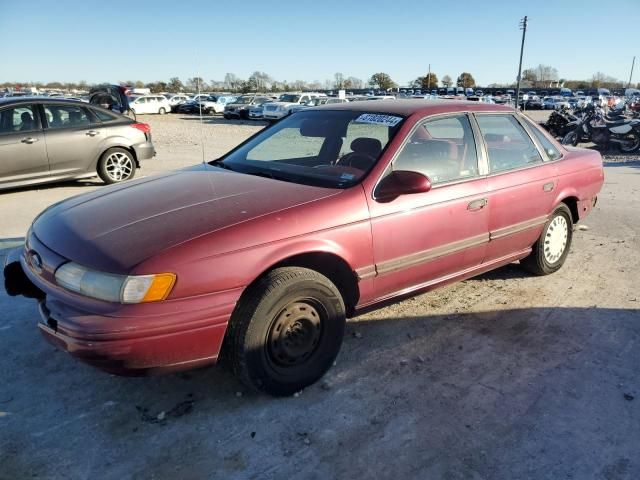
[(114, 41)]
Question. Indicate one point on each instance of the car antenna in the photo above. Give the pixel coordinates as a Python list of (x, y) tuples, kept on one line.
[(201, 119)]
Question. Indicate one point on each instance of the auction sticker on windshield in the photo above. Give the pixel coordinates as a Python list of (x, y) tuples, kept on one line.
[(378, 119)]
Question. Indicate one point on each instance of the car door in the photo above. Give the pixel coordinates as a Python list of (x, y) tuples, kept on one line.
[(521, 184), (421, 238), (23, 153), (74, 137)]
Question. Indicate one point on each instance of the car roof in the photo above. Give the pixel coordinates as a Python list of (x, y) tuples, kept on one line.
[(37, 99), (411, 107)]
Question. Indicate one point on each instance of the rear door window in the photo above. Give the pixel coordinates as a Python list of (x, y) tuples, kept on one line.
[(104, 116), (508, 145), (550, 149), (66, 116)]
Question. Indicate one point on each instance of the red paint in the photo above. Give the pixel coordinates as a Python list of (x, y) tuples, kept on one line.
[(218, 231)]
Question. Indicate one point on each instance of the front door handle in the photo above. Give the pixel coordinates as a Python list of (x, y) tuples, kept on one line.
[(29, 140), (477, 204), (92, 133)]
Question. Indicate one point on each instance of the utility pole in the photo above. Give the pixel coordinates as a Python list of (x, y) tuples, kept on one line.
[(631, 74), (523, 27)]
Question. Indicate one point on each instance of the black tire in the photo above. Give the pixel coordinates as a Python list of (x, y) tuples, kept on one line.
[(634, 146), (226, 117), (162, 111), (542, 260), (110, 172), (571, 138), (286, 331)]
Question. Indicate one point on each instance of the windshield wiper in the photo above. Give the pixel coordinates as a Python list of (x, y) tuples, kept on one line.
[(267, 173), (221, 164)]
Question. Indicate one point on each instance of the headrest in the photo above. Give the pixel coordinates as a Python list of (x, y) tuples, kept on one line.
[(370, 146)]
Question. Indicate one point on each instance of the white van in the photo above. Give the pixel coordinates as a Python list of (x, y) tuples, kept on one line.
[(149, 104)]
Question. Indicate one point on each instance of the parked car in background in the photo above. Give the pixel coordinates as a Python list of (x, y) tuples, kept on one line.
[(44, 139), (240, 107), (256, 112), (282, 107), (146, 104), (178, 99), (216, 103), (555, 103), (260, 256), (193, 105)]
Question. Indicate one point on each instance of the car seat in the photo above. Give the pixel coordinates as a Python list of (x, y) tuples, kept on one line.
[(361, 148)]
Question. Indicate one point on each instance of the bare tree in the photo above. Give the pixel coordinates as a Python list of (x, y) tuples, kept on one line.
[(446, 81)]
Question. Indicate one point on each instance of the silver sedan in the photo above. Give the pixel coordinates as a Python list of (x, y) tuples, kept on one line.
[(46, 140)]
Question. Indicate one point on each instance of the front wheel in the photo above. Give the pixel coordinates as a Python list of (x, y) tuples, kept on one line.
[(162, 111), (286, 331), (116, 165), (632, 143), (570, 138), (550, 251)]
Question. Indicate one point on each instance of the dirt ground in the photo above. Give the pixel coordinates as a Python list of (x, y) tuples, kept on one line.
[(504, 376)]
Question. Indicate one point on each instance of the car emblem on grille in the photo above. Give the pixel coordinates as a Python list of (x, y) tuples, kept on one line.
[(35, 261)]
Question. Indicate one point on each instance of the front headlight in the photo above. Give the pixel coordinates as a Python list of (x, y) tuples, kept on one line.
[(114, 288)]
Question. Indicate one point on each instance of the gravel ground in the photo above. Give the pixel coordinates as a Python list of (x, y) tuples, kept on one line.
[(505, 376)]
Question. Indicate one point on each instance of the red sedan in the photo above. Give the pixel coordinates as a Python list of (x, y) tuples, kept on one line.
[(261, 255)]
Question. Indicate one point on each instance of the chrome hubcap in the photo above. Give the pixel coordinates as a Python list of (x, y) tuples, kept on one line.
[(118, 166), (555, 240)]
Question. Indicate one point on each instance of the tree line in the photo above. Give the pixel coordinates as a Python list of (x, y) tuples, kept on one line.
[(543, 76)]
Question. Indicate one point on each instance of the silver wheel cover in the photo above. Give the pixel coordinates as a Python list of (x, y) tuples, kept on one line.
[(555, 239), (118, 166)]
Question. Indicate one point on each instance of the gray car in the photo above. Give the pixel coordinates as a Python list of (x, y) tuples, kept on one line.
[(46, 140)]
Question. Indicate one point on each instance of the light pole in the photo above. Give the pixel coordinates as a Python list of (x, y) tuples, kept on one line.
[(523, 27)]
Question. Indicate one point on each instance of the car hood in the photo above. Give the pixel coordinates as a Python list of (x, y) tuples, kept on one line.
[(115, 228)]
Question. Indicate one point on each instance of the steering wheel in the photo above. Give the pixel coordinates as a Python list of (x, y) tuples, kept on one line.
[(354, 157)]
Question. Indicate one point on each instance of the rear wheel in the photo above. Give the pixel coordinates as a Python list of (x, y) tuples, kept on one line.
[(570, 138), (633, 143), (551, 249), (286, 331), (116, 165), (162, 111)]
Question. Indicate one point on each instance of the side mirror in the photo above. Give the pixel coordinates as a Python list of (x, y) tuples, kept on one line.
[(402, 182)]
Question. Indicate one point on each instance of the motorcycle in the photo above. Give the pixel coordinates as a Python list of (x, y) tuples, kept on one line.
[(593, 126), (560, 122)]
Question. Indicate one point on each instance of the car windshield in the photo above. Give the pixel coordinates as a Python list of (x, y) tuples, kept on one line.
[(289, 98), (333, 149), (244, 99)]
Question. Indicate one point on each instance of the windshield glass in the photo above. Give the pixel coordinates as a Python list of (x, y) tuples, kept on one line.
[(333, 149), (244, 99), (289, 98)]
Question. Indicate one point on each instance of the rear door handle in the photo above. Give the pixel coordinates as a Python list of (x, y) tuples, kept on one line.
[(92, 133), (477, 204), (29, 140), (547, 187)]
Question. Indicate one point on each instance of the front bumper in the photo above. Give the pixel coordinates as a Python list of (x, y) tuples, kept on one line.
[(140, 339), (275, 115)]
